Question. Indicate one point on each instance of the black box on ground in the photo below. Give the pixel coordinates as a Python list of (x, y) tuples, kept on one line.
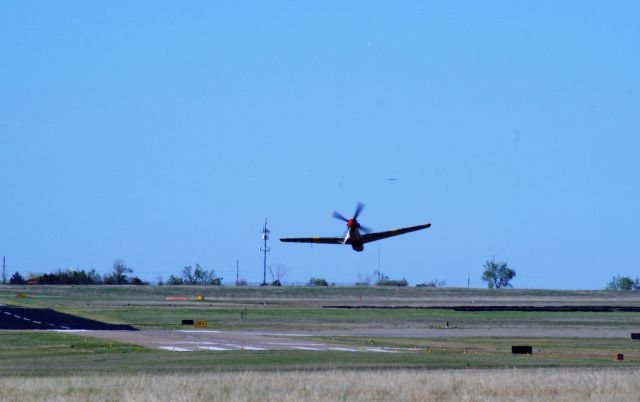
[(521, 350)]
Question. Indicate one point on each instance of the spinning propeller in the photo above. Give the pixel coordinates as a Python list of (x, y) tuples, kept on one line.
[(353, 221)]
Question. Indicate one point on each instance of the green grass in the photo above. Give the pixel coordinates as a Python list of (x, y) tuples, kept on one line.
[(261, 317), (54, 353), (64, 294), (287, 307), (20, 344), (578, 348)]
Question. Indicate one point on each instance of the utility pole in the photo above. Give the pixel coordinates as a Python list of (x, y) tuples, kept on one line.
[(4, 271), (468, 279), (265, 250), (237, 272)]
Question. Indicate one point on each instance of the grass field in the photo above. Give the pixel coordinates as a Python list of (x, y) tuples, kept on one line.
[(330, 385), (43, 365), (302, 307), (42, 353)]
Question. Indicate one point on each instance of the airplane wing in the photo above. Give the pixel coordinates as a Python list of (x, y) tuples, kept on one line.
[(368, 238), (325, 240)]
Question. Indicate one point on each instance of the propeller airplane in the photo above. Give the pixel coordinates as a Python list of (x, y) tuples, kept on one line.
[(357, 235)]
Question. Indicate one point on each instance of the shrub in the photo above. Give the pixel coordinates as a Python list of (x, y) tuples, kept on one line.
[(317, 282), (392, 282)]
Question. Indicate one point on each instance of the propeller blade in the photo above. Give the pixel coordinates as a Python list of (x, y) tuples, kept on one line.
[(338, 216), (365, 229), (359, 208)]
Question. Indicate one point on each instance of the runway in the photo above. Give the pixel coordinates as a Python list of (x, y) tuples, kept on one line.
[(189, 340), (21, 318), (181, 340)]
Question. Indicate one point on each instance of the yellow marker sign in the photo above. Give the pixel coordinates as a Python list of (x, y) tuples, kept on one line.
[(200, 297), (201, 324), (21, 295)]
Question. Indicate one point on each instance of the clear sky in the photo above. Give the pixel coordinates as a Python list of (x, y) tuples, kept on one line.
[(164, 133)]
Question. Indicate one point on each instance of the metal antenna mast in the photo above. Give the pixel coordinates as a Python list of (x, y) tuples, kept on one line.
[(265, 250), (4, 271)]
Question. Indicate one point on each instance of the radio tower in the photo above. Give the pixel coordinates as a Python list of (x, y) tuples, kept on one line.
[(265, 250)]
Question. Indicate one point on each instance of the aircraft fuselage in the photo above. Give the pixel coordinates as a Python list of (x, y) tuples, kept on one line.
[(353, 235)]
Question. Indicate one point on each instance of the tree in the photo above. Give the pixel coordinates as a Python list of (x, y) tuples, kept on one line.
[(497, 274), (364, 280), (278, 273), (174, 280), (17, 279), (137, 281), (385, 281), (317, 282), (119, 273), (200, 276), (435, 283), (623, 283)]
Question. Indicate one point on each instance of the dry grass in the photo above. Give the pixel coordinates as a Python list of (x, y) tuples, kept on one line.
[(445, 385)]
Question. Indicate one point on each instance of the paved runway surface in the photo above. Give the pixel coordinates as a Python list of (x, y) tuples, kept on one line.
[(184, 340), (193, 340), (20, 318)]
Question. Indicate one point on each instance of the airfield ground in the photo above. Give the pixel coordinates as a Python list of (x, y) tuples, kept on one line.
[(296, 329)]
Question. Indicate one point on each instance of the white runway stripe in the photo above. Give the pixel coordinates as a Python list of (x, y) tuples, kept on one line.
[(304, 348), (216, 348), (252, 348), (380, 350), (175, 349)]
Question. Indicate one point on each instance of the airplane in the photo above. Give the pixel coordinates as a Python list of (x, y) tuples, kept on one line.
[(353, 236)]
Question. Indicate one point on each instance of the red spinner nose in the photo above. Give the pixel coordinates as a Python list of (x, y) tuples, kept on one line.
[(349, 223)]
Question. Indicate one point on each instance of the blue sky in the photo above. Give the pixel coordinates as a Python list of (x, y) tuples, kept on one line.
[(165, 133)]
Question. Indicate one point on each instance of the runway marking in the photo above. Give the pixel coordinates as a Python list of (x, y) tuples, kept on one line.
[(175, 349), (295, 344), (344, 349), (7, 313), (304, 348), (270, 334), (252, 348), (380, 350), (69, 330), (37, 322), (216, 348)]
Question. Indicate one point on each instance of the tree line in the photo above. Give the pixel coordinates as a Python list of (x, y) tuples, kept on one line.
[(496, 274), (117, 276)]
